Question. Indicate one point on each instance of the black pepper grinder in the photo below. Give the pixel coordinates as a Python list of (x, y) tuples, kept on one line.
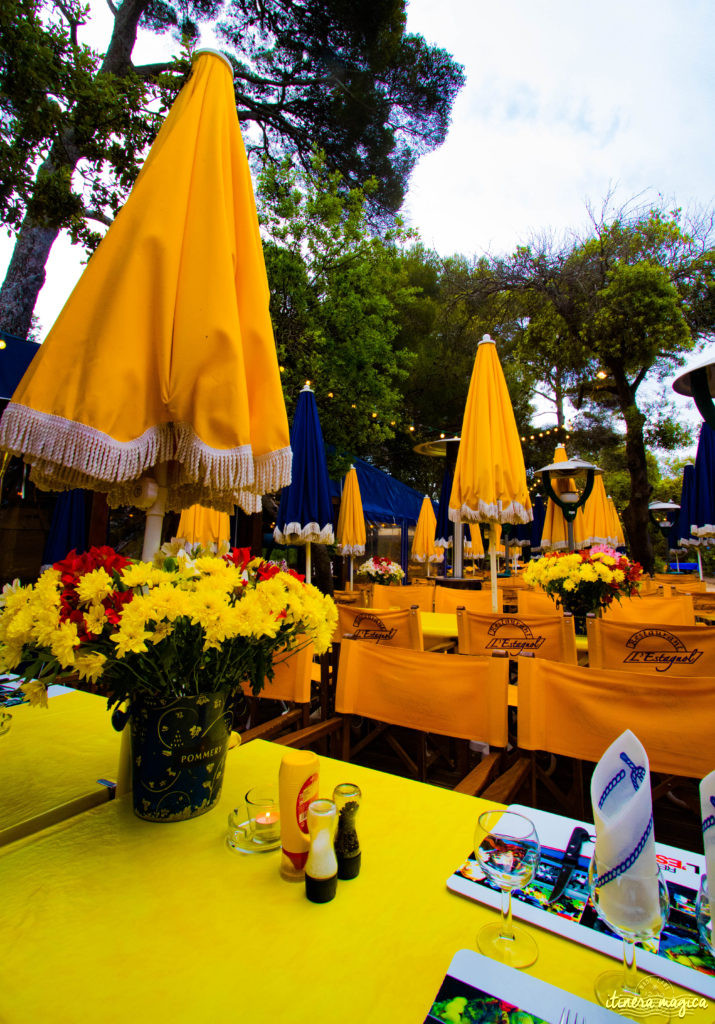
[(347, 797)]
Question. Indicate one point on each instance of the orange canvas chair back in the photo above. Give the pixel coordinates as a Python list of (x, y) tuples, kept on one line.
[(689, 587), (401, 597), (673, 611), (546, 636), (535, 602), (579, 712), (292, 676), (448, 599), (667, 650), (439, 693), (648, 588), (387, 627)]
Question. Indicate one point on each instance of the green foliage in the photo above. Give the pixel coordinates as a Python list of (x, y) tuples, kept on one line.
[(336, 296), (341, 76), (58, 108)]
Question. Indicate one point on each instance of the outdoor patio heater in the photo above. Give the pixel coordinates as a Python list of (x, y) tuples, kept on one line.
[(569, 501)]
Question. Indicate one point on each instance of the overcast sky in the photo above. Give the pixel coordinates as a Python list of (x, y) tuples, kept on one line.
[(564, 100)]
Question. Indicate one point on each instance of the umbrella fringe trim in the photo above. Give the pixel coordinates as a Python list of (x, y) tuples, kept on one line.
[(441, 542), (311, 533), (432, 558), (351, 549), (64, 453), (514, 513), (73, 451)]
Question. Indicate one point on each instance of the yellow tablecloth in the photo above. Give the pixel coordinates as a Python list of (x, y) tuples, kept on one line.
[(439, 624), (109, 918), (52, 757)]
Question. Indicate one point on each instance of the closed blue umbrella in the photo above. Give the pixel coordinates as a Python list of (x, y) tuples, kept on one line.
[(68, 527), (536, 526), (703, 518), (305, 512), (686, 516), (444, 534)]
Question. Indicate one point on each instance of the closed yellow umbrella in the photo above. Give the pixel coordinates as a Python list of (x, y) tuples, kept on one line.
[(204, 526), (164, 352), (351, 521), (597, 521), (617, 525), (473, 544), (423, 546), (489, 477), (554, 535)]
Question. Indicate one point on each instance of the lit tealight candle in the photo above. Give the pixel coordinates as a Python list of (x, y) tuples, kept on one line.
[(268, 824)]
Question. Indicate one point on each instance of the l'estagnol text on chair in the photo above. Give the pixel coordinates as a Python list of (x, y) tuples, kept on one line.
[(547, 636), (649, 647), (387, 627)]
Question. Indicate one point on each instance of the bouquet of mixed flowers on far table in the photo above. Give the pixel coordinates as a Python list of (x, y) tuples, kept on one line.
[(585, 581), (381, 570), (186, 624)]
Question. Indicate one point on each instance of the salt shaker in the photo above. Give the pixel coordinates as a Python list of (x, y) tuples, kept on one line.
[(347, 798), (321, 868)]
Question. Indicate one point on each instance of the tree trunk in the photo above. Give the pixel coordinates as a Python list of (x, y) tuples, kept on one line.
[(636, 517), (26, 272), (25, 277)]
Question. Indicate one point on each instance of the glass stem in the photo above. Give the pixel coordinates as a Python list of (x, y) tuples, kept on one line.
[(507, 928), (630, 979)]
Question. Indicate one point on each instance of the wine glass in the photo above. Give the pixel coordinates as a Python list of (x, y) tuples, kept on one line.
[(507, 850), (634, 904), (703, 914)]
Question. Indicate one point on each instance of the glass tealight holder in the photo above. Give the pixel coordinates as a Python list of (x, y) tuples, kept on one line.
[(255, 826)]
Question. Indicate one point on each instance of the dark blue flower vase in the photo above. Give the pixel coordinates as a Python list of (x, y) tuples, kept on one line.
[(178, 754)]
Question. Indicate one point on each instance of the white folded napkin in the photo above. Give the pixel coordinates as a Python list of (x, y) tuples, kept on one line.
[(625, 845), (707, 806)]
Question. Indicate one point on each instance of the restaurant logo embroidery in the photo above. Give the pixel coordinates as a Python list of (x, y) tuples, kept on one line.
[(676, 654), (524, 642), (369, 627)]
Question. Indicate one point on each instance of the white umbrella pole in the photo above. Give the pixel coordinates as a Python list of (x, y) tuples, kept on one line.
[(493, 564), (307, 563), (155, 515), (351, 572), (700, 563)]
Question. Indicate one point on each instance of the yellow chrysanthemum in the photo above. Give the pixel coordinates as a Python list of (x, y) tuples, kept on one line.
[(91, 665), (95, 619), (139, 574), (35, 692), (129, 641), (94, 586), (64, 642)]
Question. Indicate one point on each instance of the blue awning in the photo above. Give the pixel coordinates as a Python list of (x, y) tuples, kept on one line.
[(15, 358), (384, 499)]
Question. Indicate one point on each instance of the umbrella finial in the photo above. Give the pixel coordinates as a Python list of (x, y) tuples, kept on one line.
[(307, 386), (487, 340)]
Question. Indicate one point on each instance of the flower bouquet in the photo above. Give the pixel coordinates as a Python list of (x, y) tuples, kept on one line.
[(585, 581), (381, 570), (188, 628)]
